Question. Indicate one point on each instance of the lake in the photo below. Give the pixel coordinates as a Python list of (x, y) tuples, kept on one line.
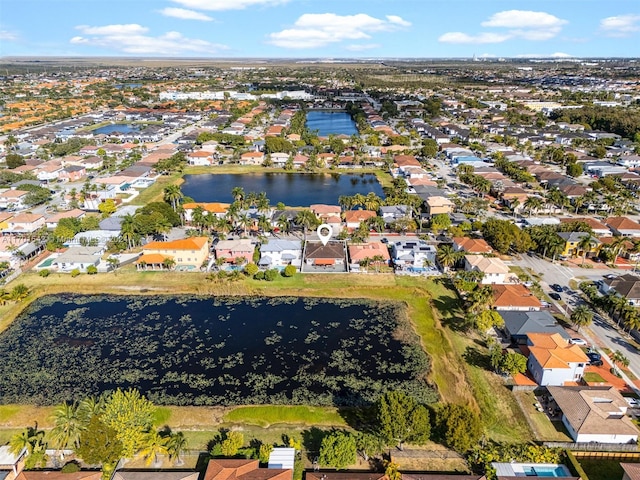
[(292, 189), (186, 350), (331, 123), (118, 127)]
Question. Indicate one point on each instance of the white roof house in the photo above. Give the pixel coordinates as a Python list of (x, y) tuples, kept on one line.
[(282, 458), (280, 253)]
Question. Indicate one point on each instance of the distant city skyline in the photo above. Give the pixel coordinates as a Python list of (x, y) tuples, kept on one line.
[(321, 29)]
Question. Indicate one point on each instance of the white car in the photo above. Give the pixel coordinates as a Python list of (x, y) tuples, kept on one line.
[(578, 341)]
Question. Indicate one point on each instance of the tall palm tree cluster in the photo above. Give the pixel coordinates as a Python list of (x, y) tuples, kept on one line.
[(72, 423), (626, 315)]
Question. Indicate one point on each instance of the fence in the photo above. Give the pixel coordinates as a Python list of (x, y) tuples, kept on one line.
[(617, 456), (582, 448)]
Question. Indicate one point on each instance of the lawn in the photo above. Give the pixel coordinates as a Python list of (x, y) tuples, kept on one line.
[(545, 430), (457, 368), (602, 469), (266, 415)]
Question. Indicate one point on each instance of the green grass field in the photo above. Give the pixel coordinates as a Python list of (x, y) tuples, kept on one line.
[(266, 415)]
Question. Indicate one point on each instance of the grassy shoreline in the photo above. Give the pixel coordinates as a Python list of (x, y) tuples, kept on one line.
[(431, 305)]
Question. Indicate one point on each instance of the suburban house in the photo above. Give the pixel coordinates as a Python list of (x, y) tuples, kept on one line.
[(514, 297), (4, 219), (414, 256), (230, 250), (52, 221), (471, 245), (125, 474), (631, 471), (186, 254), (98, 238), (278, 253), (595, 414), (366, 253), (217, 209), (437, 205), (78, 258), (72, 173), (242, 469), (572, 244), (25, 223), (327, 213), (200, 158), (494, 269), (13, 199), (554, 361), (514, 470), (252, 158), (623, 226), (517, 324), (393, 213), (599, 229), (329, 257), (626, 286), (353, 218), (11, 464)]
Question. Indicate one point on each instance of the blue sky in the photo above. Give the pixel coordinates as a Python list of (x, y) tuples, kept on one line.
[(320, 28)]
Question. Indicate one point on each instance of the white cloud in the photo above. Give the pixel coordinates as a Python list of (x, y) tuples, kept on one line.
[(228, 4), (523, 19), (522, 24), (361, 47), (130, 39), (542, 55), (116, 29), (459, 37), (621, 25), (314, 30), (7, 36), (185, 14)]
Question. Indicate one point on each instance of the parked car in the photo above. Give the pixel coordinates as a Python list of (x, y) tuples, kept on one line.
[(595, 359), (556, 288), (555, 296), (578, 341)]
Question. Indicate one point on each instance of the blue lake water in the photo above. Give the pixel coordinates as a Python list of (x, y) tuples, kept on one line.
[(292, 189), (122, 128), (331, 123)]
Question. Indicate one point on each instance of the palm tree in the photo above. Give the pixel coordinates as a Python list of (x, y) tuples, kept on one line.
[(532, 204), (245, 221), (197, 217), (618, 245), (306, 219), (154, 444), (68, 424), (128, 231), (619, 359), (284, 225), (585, 244), (582, 316), (177, 445), (372, 202), (19, 292), (168, 263), (173, 195), (481, 298), (447, 256), (238, 194), (30, 438), (262, 203)]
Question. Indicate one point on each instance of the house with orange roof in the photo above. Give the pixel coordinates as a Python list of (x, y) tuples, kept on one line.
[(326, 212), (242, 469), (4, 219), (362, 252), (514, 297), (406, 161), (24, 223), (554, 361), (200, 158), (252, 158), (216, 209), (13, 199), (353, 218), (52, 221), (471, 245), (623, 226), (185, 254), (599, 228)]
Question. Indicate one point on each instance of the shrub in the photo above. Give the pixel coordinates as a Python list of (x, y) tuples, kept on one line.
[(75, 272), (251, 269), (271, 275), (92, 269), (259, 275), (71, 467), (44, 273), (289, 271)]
